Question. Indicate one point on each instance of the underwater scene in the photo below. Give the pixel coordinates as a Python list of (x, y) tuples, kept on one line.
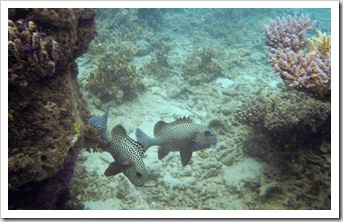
[(169, 109)]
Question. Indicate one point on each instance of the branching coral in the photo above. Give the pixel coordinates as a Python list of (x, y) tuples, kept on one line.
[(114, 79), (321, 45), (202, 66), (300, 70), (159, 65), (288, 32), (127, 50)]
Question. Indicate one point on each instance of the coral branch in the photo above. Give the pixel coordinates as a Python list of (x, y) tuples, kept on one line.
[(309, 72)]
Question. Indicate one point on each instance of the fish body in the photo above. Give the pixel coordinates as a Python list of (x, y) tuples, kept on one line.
[(127, 153), (182, 135)]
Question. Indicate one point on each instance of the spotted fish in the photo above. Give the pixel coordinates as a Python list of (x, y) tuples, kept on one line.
[(127, 153), (181, 135)]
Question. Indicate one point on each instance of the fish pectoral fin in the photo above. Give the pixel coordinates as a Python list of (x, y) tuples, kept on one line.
[(185, 157), (125, 163), (113, 169), (162, 153)]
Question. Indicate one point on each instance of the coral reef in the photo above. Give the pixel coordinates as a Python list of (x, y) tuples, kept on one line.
[(31, 50), (289, 120), (309, 72), (321, 45), (203, 66), (127, 50), (292, 133), (40, 50), (159, 65), (125, 22), (47, 116), (114, 79), (152, 16), (287, 178)]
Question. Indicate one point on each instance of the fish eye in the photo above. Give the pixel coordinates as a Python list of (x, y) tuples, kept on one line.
[(207, 133), (138, 174)]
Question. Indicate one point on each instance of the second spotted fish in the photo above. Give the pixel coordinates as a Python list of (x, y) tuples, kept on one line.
[(181, 135), (127, 153)]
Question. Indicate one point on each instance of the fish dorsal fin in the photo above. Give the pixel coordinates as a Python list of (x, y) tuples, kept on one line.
[(158, 126), (183, 120), (118, 131)]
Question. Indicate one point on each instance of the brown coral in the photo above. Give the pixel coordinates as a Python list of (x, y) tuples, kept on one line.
[(115, 79), (288, 120), (288, 133), (46, 112), (58, 17), (203, 66), (40, 50), (31, 50)]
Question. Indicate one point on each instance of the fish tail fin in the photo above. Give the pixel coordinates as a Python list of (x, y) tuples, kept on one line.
[(144, 139), (99, 122)]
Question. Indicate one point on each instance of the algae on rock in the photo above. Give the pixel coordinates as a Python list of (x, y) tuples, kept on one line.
[(47, 115)]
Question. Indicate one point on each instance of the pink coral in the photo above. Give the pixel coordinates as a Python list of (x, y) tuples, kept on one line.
[(300, 70)]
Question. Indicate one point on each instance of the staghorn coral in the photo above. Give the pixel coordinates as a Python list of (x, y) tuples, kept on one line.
[(299, 70), (114, 79), (159, 65), (202, 66), (47, 115), (127, 50), (288, 32), (304, 72), (321, 45)]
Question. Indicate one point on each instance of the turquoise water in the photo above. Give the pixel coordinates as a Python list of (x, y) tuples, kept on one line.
[(209, 65)]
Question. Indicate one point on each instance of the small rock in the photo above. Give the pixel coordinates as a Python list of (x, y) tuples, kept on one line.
[(151, 183), (229, 93), (226, 112), (228, 160)]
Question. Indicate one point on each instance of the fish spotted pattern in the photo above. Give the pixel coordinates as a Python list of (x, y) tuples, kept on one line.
[(127, 153), (181, 135)]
